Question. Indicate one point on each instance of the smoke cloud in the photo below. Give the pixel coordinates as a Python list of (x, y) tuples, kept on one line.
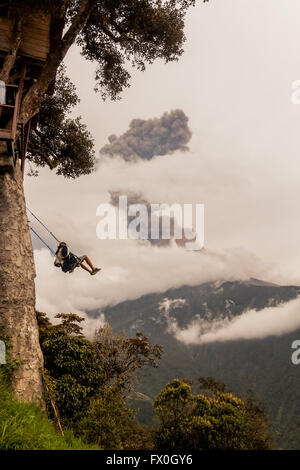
[(164, 221), (146, 139)]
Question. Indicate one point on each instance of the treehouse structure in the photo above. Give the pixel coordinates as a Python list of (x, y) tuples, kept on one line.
[(38, 36)]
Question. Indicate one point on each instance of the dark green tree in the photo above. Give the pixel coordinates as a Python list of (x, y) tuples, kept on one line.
[(70, 323), (82, 375), (111, 33), (121, 359), (58, 141), (219, 421), (71, 365), (257, 421), (110, 424), (211, 386)]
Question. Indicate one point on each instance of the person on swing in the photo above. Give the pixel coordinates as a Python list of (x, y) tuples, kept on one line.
[(67, 261)]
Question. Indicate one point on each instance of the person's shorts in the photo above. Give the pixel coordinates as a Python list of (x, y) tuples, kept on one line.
[(71, 262)]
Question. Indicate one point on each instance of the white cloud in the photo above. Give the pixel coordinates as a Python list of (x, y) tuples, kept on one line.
[(243, 163), (131, 270), (273, 321)]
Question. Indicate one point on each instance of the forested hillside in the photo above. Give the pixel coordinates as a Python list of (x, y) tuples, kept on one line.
[(263, 365)]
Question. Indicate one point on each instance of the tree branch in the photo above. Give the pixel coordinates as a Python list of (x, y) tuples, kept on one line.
[(52, 163), (118, 39)]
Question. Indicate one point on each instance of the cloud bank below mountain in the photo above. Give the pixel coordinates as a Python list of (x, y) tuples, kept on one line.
[(253, 324)]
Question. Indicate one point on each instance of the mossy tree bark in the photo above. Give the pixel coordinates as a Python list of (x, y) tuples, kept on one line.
[(17, 289)]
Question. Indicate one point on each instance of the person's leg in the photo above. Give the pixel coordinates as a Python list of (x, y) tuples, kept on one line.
[(86, 259), (86, 268)]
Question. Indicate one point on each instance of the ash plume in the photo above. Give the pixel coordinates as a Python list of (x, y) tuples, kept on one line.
[(135, 198), (146, 139)]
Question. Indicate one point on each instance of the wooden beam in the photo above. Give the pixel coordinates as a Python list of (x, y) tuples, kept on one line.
[(5, 134), (15, 117), (24, 145)]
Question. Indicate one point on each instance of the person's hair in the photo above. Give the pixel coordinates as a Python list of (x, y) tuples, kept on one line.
[(59, 246)]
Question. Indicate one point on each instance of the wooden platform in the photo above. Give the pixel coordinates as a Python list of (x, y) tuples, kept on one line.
[(35, 36)]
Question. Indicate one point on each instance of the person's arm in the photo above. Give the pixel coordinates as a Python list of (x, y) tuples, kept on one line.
[(57, 263), (58, 259)]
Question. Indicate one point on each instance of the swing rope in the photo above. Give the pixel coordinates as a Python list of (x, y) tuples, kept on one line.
[(49, 231), (43, 241), (39, 236)]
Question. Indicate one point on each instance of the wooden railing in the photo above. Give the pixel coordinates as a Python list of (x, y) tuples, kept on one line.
[(8, 133)]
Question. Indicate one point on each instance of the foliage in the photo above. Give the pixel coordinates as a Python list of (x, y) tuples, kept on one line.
[(139, 32), (87, 378), (241, 364), (24, 426), (211, 386), (90, 383), (71, 361), (111, 33), (121, 358), (114, 34), (62, 143), (11, 365), (110, 424), (220, 421), (70, 323), (256, 414), (257, 422)]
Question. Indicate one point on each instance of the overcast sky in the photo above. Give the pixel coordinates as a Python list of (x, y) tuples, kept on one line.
[(234, 83)]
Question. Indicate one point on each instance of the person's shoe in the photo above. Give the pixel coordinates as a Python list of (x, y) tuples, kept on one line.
[(95, 271)]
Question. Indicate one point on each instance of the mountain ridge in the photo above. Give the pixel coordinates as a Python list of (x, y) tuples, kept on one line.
[(263, 365)]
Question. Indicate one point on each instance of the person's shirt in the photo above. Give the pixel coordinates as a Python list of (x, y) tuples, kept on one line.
[(61, 254)]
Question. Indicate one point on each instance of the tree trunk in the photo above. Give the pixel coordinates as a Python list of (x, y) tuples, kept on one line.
[(17, 290)]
